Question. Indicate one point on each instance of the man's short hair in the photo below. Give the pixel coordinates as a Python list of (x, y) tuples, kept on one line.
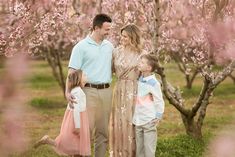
[(99, 19)]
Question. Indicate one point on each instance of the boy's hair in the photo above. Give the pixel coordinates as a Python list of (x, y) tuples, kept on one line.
[(151, 61), (75, 78), (99, 19)]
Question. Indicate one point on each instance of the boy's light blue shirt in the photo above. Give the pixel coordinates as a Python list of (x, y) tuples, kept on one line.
[(94, 59)]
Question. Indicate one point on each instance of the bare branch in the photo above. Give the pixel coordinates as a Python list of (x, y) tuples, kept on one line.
[(226, 72), (173, 95), (201, 97)]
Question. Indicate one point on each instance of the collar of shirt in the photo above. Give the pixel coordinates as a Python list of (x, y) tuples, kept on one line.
[(91, 41), (145, 79)]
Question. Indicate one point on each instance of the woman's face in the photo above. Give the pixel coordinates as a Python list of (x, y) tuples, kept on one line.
[(125, 39), (83, 80)]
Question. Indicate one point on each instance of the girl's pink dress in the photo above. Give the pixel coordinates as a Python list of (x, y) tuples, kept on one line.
[(68, 143)]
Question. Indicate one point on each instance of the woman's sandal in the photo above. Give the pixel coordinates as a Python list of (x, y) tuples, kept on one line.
[(42, 141)]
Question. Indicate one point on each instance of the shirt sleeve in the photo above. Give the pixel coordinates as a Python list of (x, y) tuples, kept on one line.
[(158, 100), (76, 111), (76, 57)]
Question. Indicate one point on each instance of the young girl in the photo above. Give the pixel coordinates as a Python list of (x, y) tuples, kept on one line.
[(74, 137)]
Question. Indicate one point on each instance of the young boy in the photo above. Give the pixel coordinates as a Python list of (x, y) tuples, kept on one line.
[(149, 108)]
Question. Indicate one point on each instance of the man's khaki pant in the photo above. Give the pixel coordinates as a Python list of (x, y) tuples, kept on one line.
[(146, 139), (98, 108)]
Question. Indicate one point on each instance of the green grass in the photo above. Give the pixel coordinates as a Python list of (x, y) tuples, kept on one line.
[(190, 93), (225, 90), (181, 146), (44, 151), (42, 81), (46, 103), (46, 106)]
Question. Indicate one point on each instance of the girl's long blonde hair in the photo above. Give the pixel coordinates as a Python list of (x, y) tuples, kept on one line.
[(75, 79), (135, 35)]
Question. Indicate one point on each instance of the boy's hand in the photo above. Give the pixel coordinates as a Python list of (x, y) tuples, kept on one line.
[(151, 96), (155, 121)]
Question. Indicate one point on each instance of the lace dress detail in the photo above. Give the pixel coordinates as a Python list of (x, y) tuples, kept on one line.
[(122, 133)]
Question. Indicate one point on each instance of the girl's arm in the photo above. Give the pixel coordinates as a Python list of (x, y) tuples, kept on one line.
[(76, 110)]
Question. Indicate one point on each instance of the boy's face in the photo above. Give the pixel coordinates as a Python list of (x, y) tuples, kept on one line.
[(143, 65)]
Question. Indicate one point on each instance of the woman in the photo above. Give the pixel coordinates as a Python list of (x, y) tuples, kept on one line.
[(125, 60)]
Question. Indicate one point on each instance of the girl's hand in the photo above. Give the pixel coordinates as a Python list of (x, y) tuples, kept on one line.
[(76, 131)]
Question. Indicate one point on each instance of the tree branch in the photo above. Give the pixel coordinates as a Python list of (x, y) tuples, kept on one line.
[(173, 95), (203, 108), (201, 97), (226, 72)]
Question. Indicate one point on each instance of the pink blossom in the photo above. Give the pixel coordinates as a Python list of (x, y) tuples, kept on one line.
[(13, 137)]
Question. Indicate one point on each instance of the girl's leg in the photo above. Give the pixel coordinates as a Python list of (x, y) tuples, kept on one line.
[(44, 140)]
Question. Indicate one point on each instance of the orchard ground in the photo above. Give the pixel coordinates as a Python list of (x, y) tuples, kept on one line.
[(46, 106)]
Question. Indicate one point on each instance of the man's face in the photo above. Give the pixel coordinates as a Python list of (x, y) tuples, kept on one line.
[(104, 30), (143, 65)]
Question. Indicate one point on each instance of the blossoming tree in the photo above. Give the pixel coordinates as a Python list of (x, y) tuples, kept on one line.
[(203, 32), (185, 28)]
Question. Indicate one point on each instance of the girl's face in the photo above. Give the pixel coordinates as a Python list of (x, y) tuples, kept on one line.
[(125, 39), (83, 80)]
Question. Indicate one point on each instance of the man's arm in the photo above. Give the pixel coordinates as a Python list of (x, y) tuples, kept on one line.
[(75, 62)]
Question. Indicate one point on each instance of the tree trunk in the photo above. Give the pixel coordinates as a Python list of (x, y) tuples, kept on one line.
[(190, 78), (76, 6), (188, 82), (54, 60), (60, 72), (99, 6), (191, 127), (2, 60), (156, 25)]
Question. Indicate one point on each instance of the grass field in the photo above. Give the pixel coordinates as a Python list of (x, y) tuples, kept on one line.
[(46, 106)]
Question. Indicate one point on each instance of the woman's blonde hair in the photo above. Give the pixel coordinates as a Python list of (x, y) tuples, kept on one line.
[(135, 35), (75, 78)]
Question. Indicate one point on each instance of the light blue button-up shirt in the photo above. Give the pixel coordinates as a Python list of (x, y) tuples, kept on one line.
[(94, 59)]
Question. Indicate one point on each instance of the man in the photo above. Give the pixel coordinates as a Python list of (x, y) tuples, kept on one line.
[(93, 55)]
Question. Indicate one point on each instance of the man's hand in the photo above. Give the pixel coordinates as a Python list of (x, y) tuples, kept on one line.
[(71, 106), (71, 99)]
